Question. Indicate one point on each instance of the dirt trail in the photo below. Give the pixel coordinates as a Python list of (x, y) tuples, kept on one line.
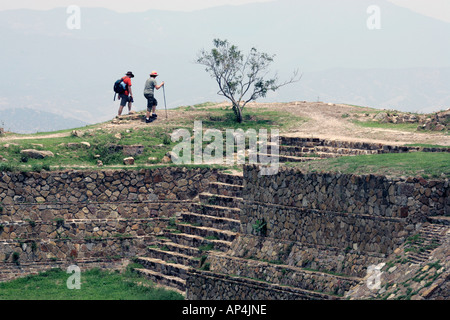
[(334, 122)]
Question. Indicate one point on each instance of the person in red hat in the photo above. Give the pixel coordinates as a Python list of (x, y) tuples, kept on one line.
[(127, 96), (149, 94)]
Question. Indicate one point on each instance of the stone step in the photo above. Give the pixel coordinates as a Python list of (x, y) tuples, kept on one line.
[(344, 151), (226, 189), (320, 155), (283, 158), (297, 141), (172, 282), (217, 211), (211, 221), (296, 149), (417, 258), (197, 241), (431, 237), (440, 220), (207, 232), (303, 152), (218, 200), (434, 232), (353, 145), (235, 179), (164, 267), (173, 257), (168, 245)]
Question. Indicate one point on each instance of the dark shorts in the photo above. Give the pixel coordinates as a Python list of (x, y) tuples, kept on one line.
[(124, 100), (151, 101)]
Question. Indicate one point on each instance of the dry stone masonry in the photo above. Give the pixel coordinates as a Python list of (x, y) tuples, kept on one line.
[(88, 216), (213, 235)]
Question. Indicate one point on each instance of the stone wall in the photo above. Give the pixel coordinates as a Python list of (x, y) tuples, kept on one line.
[(203, 285), (346, 147), (170, 183), (413, 198), (77, 216), (32, 212), (332, 222), (281, 274), (335, 260)]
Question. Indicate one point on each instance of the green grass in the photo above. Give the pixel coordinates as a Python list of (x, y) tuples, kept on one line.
[(156, 140), (101, 142), (262, 118), (96, 284), (424, 145), (394, 126), (425, 164)]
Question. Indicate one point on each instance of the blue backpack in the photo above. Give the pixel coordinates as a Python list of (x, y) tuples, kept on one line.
[(119, 87)]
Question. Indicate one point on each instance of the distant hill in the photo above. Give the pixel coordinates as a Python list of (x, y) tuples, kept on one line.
[(24, 120), (404, 65)]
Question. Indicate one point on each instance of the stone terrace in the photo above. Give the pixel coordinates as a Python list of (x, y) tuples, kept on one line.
[(213, 235)]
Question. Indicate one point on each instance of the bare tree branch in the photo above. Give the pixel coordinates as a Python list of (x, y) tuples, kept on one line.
[(239, 76)]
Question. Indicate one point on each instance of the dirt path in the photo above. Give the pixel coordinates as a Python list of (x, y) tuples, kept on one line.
[(333, 122)]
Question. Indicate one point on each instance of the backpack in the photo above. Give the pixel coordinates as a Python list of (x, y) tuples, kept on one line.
[(119, 87)]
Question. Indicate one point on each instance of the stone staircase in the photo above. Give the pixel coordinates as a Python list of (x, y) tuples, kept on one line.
[(296, 149), (212, 223), (419, 247), (301, 149), (309, 149)]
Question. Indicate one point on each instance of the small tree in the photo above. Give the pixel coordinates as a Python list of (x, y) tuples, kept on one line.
[(241, 79)]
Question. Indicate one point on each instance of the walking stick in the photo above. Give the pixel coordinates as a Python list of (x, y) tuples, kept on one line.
[(165, 105)]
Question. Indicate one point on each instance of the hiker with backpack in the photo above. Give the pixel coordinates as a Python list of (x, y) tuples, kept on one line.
[(123, 88), (149, 94)]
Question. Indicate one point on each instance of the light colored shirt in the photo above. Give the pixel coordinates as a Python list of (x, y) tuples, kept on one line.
[(150, 85)]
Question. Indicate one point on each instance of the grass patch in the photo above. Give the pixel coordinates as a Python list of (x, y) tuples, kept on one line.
[(424, 145), (425, 164), (104, 146), (262, 118), (394, 126), (96, 284)]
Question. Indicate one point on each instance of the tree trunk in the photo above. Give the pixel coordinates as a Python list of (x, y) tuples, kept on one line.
[(238, 112)]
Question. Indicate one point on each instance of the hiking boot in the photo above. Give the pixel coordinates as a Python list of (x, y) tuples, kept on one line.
[(149, 120), (154, 116)]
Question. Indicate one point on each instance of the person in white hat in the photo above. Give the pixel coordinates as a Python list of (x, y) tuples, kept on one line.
[(149, 94)]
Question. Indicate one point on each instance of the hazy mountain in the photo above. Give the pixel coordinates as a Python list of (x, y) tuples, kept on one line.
[(25, 120), (46, 66), (423, 90)]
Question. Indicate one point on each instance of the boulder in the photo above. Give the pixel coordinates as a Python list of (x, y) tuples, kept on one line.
[(382, 117), (128, 161), (133, 150), (166, 159), (76, 133), (37, 154), (73, 145)]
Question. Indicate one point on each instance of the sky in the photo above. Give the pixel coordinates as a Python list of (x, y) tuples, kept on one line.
[(411, 76), (439, 9)]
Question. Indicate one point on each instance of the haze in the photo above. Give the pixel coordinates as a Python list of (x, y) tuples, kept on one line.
[(344, 56)]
